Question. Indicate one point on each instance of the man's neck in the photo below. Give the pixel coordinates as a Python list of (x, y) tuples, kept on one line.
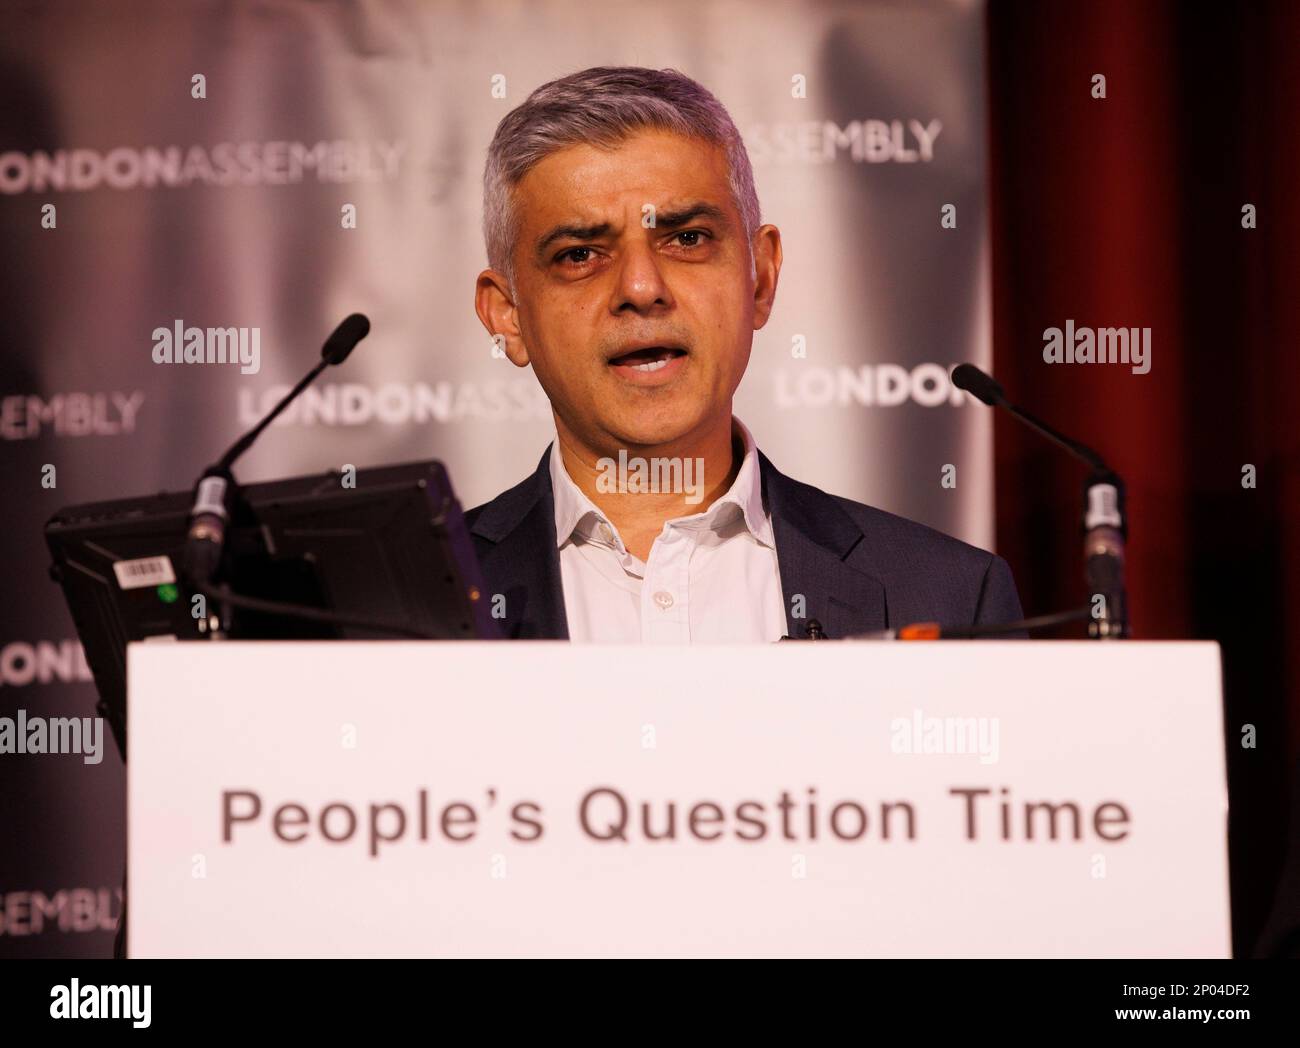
[(707, 464)]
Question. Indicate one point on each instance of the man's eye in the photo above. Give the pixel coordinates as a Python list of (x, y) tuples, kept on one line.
[(577, 255), (696, 237)]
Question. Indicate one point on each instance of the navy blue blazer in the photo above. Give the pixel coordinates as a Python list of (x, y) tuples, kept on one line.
[(859, 569)]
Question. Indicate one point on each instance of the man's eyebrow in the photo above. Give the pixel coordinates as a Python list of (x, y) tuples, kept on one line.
[(689, 213), (666, 219), (571, 231)]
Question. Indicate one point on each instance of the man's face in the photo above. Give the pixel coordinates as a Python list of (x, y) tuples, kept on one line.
[(638, 333)]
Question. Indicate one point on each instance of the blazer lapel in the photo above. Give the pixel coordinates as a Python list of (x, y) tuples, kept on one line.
[(522, 563), (814, 537)]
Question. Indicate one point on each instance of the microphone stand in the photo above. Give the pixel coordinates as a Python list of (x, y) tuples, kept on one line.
[(1105, 527), (1105, 523), (217, 499)]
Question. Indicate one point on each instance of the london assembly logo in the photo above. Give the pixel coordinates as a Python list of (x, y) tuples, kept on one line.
[(28, 416), (871, 141), (67, 911), (884, 385), (43, 662), (515, 400), (224, 164)]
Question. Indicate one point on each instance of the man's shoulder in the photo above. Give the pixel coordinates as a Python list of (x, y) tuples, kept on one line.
[(472, 515), (495, 518), (508, 497), (927, 575), (888, 537), (903, 536)]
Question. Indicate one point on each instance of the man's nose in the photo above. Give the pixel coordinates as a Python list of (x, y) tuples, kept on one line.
[(639, 285)]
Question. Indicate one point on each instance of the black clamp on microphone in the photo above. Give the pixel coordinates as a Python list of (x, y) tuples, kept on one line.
[(1105, 528), (217, 492), (214, 497), (811, 631)]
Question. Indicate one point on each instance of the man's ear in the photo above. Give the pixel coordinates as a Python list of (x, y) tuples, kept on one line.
[(767, 270), (495, 306)]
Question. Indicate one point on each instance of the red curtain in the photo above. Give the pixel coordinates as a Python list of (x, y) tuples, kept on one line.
[(1126, 211)]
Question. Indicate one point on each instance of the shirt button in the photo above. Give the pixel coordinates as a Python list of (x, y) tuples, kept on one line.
[(664, 599)]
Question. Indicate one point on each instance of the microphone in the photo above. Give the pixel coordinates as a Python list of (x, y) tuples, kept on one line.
[(1105, 522), (983, 387), (216, 491), (336, 349)]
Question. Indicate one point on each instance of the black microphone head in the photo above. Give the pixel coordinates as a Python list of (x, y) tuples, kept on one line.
[(344, 339), (977, 384)]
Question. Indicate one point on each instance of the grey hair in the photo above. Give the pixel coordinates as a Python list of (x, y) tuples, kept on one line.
[(602, 106)]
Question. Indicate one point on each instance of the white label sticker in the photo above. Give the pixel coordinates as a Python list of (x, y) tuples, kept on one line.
[(146, 571)]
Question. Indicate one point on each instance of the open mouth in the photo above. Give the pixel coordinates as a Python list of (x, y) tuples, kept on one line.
[(653, 358)]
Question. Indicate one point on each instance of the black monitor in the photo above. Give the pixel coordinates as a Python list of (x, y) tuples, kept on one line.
[(383, 545)]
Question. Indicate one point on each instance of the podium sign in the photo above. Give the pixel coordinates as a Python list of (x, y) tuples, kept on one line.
[(980, 799)]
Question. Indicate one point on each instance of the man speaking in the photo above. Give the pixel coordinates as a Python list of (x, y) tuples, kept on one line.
[(629, 268)]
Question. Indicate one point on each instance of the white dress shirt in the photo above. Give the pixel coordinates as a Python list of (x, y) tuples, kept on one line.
[(711, 577)]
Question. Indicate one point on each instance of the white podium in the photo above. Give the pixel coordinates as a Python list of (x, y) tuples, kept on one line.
[(973, 799)]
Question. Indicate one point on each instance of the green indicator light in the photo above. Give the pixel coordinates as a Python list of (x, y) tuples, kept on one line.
[(167, 593)]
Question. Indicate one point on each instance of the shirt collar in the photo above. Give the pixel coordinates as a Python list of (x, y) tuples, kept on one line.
[(574, 511)]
